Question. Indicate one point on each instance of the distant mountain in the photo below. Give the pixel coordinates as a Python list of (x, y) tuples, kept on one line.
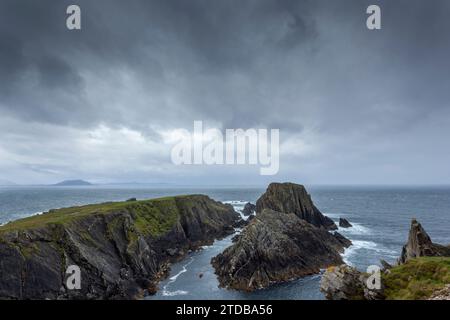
[(73, 183)]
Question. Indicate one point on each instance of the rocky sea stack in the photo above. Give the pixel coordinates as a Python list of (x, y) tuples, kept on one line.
[(288, 238), (276, 247), (249, 209), (293, 198), (420, 245), (122, 248)]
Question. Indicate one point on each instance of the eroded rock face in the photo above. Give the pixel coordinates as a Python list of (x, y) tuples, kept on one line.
[(276, 247), (121, 252), (293, 198), (420, 245)]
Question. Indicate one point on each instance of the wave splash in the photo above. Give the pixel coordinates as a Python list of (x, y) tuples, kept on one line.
[(166, 292)]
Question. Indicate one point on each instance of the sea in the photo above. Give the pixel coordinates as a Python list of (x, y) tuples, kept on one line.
[(380, 215)]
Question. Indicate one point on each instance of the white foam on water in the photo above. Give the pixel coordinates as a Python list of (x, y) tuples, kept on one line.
[(364, 245), (356, 229), (166, 292), (238, 206), (334, 215)]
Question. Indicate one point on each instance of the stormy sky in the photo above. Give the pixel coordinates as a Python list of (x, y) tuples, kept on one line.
[(353, 106)]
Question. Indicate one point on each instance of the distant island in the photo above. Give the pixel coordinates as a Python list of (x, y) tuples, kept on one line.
[(66, 183)]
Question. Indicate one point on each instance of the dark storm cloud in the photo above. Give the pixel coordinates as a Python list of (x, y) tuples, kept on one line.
[(301, 66), (195, 40)]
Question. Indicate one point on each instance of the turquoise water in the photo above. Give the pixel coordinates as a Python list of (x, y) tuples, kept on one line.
[(380, 218)]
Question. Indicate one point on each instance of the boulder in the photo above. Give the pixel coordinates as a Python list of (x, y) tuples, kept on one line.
[(276, 247), (347, 283), (293, 198), (342, 283), (343, 223), (249, 209), (419, 244)]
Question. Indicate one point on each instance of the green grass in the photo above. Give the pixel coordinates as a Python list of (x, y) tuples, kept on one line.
[(154, 216), (417, 279)]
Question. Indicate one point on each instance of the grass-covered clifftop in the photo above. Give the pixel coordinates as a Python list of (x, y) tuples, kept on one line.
[(152, 217), (122, 248), (417, 279)]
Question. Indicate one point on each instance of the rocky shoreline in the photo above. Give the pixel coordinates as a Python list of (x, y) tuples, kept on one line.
[(422, 272)]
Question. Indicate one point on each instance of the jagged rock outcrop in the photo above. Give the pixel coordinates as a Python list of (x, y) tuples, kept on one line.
[(420, 245), (249, 209), (343, 223), (347, 283), (276, 247), (342, 283), (293, 198), (122, 248)]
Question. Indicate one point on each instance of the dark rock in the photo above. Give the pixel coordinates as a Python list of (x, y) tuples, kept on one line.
[(131, 200), (200, 275), (420, 245), (122, 249), (249, 209), (235, 238), (240, 223), (343, 240), (276, 247), (343, 223), (293, 198)]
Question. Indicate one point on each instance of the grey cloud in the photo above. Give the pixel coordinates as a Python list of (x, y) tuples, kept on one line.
[(300, 66)]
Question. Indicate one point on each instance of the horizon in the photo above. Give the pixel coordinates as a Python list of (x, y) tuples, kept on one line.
[(179, 185)]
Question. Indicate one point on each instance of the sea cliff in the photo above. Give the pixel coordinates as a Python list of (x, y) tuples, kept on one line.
[(123, 248)]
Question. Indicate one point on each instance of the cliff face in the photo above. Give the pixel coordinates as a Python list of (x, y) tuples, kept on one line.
[(276, 247), (420, 245), (121, 248), (293, 198)]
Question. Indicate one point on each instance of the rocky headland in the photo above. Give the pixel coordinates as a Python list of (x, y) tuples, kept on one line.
[(422, 272), (123, 249), (287, 239)]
